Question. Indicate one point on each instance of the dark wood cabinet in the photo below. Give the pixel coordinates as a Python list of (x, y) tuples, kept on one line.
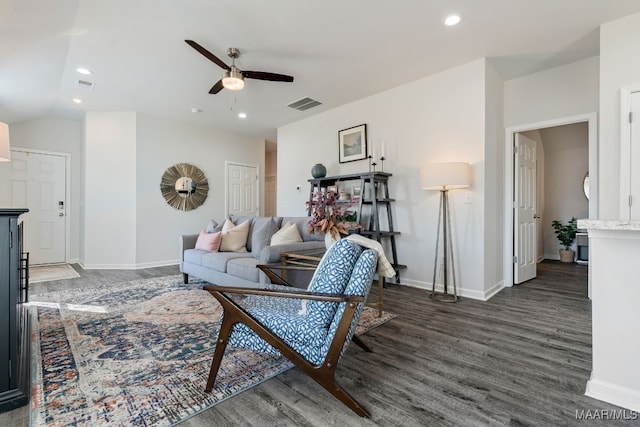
[(373, 206), (14, 318)]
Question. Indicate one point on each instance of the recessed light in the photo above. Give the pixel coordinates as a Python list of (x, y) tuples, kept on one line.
[(196, 110), (77, 100), (452, 20), (85, 71), (242, 115)]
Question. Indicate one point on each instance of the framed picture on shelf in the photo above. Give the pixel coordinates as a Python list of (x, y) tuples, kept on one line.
[(333, 188), (352, 143)]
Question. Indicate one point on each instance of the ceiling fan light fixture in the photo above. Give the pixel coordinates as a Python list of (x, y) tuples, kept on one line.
[(233, 80)]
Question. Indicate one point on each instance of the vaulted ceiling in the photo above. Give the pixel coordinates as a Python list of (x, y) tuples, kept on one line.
[(337, 50)]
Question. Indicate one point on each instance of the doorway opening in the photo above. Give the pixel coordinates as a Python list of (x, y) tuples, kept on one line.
[(558, 147)]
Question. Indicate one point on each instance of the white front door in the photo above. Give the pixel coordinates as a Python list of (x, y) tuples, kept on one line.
[(524, 240), (38, 182), (242, 189)]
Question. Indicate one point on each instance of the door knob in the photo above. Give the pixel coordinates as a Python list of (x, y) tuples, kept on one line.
[(535, 216), (60, 214)]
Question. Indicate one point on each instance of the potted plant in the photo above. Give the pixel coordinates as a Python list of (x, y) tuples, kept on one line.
[(331, 217), (566, 234)]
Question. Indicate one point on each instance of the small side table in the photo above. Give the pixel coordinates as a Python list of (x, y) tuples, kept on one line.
[(582, 246)]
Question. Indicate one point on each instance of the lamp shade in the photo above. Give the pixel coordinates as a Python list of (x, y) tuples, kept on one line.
[(5, 153), (445, 176)]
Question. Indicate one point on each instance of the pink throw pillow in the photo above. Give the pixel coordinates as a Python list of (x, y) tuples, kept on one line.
[(209, 241)]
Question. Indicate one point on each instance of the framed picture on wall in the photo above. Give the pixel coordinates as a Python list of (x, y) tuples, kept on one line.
[(352, 143)]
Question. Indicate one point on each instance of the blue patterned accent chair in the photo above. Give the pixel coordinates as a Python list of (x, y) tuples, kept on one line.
[(312, 328)]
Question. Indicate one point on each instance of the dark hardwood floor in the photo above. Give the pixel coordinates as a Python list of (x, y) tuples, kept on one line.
[(522, 358)]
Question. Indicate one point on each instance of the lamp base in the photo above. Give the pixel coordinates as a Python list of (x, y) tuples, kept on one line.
[(444, 297)]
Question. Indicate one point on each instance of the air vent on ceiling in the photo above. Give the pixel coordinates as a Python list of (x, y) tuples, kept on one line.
[(304, 104), (86, 84)]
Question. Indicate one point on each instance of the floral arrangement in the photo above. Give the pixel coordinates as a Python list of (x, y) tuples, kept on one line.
[(329, 216)]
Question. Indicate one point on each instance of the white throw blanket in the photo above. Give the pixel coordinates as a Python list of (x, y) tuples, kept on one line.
[(384, 266)]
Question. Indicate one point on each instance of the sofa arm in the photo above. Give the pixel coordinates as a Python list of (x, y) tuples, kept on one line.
[(187, 241), (271, 254)]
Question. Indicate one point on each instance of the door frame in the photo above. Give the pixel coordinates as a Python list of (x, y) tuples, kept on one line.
[(228, 163), (592, 123), (67, 190)]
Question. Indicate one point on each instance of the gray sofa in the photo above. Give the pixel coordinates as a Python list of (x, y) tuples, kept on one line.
[(239, 268)]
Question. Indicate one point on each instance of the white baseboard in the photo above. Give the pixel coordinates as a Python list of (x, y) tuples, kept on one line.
[(465, 293), (128, 266), (552, 256), (613, 393)]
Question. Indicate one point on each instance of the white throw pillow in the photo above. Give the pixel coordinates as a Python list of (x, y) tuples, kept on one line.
[(287, 234), (234, 237)]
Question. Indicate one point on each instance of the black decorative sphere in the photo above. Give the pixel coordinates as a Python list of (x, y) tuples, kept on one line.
[(318, 171)]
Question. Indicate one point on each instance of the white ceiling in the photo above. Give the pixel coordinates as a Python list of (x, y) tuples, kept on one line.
[(337, 50)]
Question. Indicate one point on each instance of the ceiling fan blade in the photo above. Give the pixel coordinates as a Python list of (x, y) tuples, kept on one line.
[(210, 56), (261, 75), (216, 87)]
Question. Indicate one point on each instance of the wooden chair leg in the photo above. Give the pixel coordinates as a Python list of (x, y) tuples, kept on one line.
[(344, 397), (361, 344), (221, 345)]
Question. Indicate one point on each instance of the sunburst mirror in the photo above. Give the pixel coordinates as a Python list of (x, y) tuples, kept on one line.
[(184, 186)]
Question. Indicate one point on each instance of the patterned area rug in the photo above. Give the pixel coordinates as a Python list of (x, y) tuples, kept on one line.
[(137, 354), (48, 273)]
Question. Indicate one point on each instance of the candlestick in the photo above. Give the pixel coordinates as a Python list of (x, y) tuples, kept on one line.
[(373, 154), (369, 157), (382, 164)]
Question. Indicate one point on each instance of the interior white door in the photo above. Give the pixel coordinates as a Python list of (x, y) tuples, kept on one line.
[(524, 234), (634, 170), (242, 192), (38, 182)]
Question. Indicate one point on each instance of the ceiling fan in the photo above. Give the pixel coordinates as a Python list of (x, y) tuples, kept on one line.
[(233, 78)]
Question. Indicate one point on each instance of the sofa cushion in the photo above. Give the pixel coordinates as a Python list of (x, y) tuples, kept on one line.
[(218, 260), (234, 237), (302, 222), (213, 226), (287, 234), (194, 256), (209, 241), (244, 268), (262, 228)]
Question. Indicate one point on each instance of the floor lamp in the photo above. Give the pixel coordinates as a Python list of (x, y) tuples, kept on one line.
[(444, 177)]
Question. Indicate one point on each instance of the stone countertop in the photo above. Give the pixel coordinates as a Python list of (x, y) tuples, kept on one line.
[(609, 224)]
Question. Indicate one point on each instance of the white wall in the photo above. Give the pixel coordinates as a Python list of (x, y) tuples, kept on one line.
[(619, 67), (118, 216), (615, 377), (494, 181), (560, 92), (61, 136), (439, 118), (161, 144), (110, 190)]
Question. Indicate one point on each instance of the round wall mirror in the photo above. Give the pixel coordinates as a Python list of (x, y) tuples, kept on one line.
[(585, 185), (184, 186)]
